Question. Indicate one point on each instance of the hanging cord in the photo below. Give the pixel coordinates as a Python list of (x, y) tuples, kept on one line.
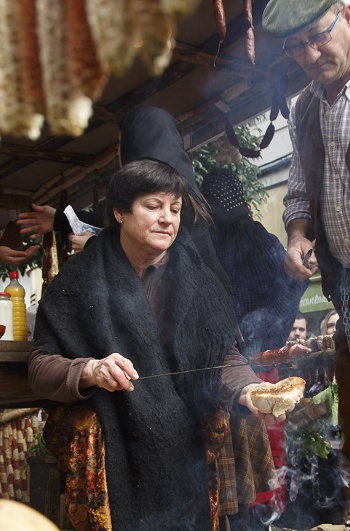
[(220, 23), (344, 292), (279, 85)]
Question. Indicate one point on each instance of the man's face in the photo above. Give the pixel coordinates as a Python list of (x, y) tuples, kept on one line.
[(298, 331), (329, 64)]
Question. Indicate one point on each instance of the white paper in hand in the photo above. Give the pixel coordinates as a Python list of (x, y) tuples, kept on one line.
[(77, 225)]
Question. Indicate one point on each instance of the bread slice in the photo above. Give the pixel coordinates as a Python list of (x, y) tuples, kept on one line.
[(278, 397)]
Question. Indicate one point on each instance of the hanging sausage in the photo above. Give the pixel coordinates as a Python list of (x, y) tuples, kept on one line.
[(249, 40)]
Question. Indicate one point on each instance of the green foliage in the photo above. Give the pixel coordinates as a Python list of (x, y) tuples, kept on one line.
[(310, 438), (331, 396), (39, 445), (205, 161)]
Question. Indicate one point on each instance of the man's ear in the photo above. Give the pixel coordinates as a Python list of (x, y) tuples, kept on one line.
[(346, 14)]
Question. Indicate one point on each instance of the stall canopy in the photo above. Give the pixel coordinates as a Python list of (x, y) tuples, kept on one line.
[(205, 85)]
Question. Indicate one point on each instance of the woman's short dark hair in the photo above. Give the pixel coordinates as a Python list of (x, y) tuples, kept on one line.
[(138, 178)]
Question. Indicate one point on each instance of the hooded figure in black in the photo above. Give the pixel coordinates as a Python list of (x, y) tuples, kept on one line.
[(265, 298)]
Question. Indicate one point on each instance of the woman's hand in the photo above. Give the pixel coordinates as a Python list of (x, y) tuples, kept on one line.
[(113, 373), (245, 400), (79, 240)]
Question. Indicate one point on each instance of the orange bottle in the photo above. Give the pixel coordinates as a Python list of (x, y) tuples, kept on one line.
[(18, 307)]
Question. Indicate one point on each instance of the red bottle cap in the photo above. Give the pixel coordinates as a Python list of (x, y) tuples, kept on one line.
[(14, 275), (5, 294)]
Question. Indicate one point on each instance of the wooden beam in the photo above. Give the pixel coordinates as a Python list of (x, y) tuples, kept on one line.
[(50, 145), (236, 29), (41, 154), (15, 201), (193, 55)]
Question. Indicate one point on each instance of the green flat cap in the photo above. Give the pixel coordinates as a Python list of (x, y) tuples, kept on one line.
[(282, 18)]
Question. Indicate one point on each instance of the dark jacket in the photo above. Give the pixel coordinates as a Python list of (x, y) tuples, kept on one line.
[(312, 156)]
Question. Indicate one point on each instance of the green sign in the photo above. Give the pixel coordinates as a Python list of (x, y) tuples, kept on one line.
[(313, 299)]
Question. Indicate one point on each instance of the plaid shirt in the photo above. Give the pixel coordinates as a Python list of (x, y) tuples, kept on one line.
[(335, 200)]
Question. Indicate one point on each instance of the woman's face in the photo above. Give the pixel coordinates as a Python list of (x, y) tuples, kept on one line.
[(152, 225), (332, 321)]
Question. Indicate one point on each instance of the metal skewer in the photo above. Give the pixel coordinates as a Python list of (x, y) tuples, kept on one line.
[(190, 370)]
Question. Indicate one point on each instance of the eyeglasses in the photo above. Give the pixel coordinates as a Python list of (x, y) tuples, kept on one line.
[(316, 41)]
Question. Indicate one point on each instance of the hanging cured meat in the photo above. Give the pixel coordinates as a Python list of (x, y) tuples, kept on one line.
[(114, 33), (31, 74), (220, 18), (83, 65), (249, 41), (17, 115), (56, 56), (67, 108)]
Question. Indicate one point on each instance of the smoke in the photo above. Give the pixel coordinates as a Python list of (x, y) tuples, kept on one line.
[(315, 492)]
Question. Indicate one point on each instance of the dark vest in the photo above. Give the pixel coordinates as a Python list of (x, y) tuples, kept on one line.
[(312, 156)]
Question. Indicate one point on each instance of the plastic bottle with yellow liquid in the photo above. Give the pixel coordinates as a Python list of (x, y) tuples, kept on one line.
[(18, 307)]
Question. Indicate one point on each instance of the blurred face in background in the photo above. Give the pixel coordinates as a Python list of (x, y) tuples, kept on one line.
[(298, 331), (330, 326)]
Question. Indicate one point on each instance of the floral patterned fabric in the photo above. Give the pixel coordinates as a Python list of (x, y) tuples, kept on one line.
[(74, 436), (216, 429)]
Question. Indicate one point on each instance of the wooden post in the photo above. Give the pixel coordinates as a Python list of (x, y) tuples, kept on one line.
[(45, 486)]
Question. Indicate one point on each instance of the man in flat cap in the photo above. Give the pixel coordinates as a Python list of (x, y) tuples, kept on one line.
[(317, 37)]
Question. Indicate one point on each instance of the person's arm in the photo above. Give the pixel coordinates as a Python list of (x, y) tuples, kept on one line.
[(45, 219), (67, 380), (57, 378), (296, 201), (11, 257), (236, 383), (95, 217), (297, 215)]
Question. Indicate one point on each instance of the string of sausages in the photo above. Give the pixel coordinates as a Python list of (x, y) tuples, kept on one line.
[(279, 84), (278, 81)]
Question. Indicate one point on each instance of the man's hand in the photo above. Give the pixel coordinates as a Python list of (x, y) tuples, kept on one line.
[(38, 222), (11, 257), (299, 245), (293, 262)]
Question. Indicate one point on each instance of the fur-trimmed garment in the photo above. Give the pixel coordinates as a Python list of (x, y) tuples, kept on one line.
[(155, 453)]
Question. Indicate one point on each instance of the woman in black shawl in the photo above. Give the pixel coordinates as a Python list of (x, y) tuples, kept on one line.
[(139, 302)]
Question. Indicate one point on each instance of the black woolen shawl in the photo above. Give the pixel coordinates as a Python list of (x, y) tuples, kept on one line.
[(155, 454)]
